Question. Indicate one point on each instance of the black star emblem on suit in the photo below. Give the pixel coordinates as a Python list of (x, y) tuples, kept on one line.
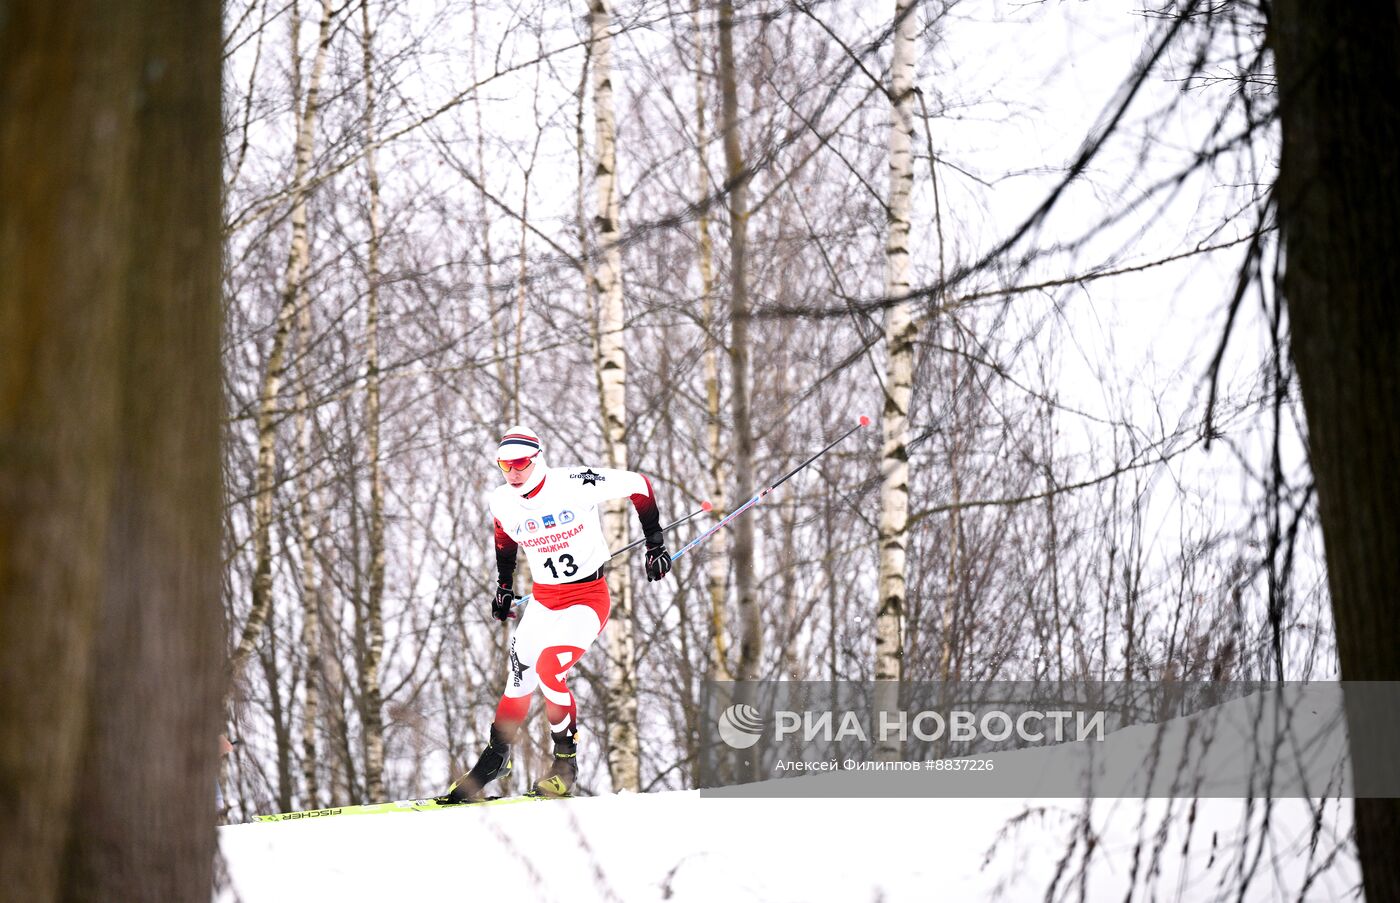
[(590, 478), (517, 667)]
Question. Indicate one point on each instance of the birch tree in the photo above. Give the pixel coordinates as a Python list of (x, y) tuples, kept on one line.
[(373, 615), (294, 274), (500, 332), (624, 751), (899, 370), (310, 582)]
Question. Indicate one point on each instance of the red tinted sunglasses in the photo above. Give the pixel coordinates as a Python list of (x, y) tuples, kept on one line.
[(515, 464)]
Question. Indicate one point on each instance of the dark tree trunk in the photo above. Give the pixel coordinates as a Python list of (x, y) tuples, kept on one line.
[(110, 419), (737, 183), (1339, 204)]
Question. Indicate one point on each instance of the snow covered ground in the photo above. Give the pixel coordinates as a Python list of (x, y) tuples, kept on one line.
[(677, 846), (680, 846)]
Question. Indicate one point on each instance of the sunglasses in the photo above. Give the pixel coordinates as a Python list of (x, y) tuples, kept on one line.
[(515, 464)]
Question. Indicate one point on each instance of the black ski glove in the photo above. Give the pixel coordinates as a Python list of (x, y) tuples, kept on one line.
[(500, 606), (658, 559)]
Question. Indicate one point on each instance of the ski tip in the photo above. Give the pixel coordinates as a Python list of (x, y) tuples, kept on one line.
[(706, 506), (864, 420)]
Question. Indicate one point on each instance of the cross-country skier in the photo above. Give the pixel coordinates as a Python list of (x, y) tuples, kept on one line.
[(553, 513)]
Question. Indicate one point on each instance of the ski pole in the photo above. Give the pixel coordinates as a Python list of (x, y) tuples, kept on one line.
[(864, 421), (704, 506)]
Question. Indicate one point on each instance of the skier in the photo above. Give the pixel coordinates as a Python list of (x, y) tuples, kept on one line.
[(553, 513)]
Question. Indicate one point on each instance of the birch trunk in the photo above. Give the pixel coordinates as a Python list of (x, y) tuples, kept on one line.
[(899, 376), (522, 281), (585, 254), (624, 753), (111, 628), (310, 584), (717, 582), (298, 259), (370, 691), (522, 284), (500, 340), (269, 656), (736, 183)]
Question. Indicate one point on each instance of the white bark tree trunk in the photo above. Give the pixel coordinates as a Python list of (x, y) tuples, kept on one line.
[(373, 655), (298, 260), (310, 582), (624, 752), (500, 338), (899, 376)]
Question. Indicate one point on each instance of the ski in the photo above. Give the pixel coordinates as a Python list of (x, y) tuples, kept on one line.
[(429, 804)]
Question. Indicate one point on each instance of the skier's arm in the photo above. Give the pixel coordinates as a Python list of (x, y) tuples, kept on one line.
[(610, 483), (658, 562), (647, 512), (506, 551)]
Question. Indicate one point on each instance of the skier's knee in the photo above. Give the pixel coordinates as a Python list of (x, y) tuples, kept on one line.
[(553, 663)]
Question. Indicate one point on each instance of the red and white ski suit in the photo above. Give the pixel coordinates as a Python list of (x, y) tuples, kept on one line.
[(559, 525)]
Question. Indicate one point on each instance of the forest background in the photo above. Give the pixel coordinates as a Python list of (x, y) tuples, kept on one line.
[(1043, 245), (445, 218)]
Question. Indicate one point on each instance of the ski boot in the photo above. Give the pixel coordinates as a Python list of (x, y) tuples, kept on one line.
[(495, 762), (563, 772)]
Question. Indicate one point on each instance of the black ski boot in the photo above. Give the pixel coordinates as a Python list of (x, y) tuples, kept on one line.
[(563, 772), (495, 762)]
